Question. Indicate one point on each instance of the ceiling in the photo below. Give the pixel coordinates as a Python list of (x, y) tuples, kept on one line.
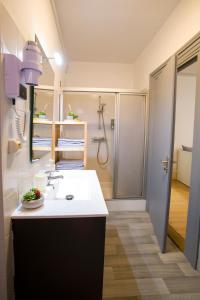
[(109, 30)]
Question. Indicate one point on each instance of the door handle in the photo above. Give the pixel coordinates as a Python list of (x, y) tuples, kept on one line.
[(165, 165)]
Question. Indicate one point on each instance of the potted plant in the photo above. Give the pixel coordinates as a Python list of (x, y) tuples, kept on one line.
[(33, 198), (42, 115), (72, 115)]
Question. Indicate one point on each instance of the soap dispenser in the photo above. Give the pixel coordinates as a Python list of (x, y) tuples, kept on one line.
[(40, 180)]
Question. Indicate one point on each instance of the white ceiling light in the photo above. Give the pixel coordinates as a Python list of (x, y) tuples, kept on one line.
[(58, 59)]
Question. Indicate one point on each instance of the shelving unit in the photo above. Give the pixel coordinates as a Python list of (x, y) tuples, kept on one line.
[(42, 122), (57, 129), (56, 134)]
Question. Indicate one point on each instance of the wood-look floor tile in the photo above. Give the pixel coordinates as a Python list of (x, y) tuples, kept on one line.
[(173, 297), (183, 284), (112, 241), (133, 260), (123, 272), (121, 288), (111, 250), (143, 240), (123, 298), (152, 286), (157, 271), (108, 273), (116, 260), (146, 259), (144, 225), (172, 257), (141, 249), (135, 269), (141, 232), (187, 269)]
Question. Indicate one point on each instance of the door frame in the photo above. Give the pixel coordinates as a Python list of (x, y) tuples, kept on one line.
[(192, 239)]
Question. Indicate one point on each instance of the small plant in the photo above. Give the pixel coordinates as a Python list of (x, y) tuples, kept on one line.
[(33, 194), (72, 114), (41, 113)]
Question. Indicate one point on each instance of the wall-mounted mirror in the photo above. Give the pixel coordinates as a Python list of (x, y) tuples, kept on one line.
[(41, 106)]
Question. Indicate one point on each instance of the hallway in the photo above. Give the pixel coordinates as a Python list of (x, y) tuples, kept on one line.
[(136, 270), (178, 213)]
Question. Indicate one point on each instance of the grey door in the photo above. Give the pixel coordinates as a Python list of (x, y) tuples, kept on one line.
[(161, 115), (130, 146)]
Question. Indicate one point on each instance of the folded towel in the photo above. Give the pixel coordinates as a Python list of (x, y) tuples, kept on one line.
[(70, 142), (72, 164), (40, 141)]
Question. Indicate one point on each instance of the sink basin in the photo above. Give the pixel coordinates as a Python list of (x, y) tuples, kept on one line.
[(69, 186), (77, 184)]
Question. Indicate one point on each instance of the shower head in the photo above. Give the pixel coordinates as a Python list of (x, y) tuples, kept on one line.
[(101, 106)]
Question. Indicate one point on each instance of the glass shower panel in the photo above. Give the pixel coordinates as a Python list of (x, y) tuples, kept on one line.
[(130, 146), (90, 107)]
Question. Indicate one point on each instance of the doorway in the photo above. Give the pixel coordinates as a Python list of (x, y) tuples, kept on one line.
[(182, 152)]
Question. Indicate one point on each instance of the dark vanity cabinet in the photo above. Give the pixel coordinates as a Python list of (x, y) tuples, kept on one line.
[(59, 258)]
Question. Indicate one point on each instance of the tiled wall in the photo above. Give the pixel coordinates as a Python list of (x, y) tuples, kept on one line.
[(16, 168)]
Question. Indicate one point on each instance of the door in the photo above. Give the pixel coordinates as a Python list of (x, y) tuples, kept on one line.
[(130, 146), (161, 115)]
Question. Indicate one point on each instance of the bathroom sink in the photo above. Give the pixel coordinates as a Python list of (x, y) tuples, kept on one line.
[(87, 200), (74, 186), (78, 189)]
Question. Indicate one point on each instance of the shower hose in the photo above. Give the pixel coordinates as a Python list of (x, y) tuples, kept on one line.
[(103, 162)]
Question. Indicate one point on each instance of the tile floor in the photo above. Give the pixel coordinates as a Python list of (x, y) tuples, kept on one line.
[(136, 270)]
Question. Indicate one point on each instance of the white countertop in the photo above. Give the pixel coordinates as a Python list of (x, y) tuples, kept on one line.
[(88, 200)]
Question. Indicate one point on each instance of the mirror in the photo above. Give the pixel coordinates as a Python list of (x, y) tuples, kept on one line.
[(183, 145), (41, 111)]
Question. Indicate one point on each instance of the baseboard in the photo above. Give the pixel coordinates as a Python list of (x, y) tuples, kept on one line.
[(126, 205), (176, 237)]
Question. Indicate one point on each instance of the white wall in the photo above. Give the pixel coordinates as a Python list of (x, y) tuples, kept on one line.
[(36, 17), (182, 25), (17, 171), (185, 107), (99, 75), (184, 119)]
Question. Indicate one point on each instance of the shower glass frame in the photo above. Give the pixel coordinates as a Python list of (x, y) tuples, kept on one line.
[(114, 154), (116, 148)]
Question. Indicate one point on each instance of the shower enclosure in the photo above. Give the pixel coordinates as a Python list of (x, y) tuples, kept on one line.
[(116, 138)]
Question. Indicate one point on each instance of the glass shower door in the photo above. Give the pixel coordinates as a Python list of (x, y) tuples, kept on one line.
[(130, 146)]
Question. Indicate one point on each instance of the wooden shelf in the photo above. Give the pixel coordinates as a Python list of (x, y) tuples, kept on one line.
[(41, 148), (40, 121), (69, 149), (57, 133), (68, 122)]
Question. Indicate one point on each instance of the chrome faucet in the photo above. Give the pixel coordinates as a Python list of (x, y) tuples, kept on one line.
[(50, 184), (50, 176)]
